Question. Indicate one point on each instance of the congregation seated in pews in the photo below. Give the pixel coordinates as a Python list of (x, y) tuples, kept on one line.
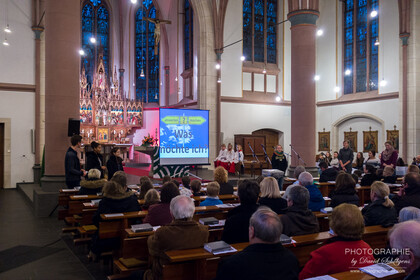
[(295, 220)]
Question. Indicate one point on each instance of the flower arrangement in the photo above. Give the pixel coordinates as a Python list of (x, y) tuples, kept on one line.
[(148, 140)]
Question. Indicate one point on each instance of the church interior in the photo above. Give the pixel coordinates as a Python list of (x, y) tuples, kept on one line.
[(303, 74)]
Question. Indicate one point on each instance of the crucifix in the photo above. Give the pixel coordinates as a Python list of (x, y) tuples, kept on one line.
[(157, 22)]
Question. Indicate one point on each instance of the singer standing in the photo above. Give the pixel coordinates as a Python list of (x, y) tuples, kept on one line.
[(345, 156), (278, 160)]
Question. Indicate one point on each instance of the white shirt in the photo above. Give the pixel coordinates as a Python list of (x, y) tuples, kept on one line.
[(239, 157), (222, 155), (230, 156)]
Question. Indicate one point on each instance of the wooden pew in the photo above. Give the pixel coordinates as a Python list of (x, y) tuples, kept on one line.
[(359, 275), (204, 264), (226, 198)]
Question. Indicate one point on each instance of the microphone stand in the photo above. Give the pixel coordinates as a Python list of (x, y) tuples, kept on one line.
[(297, 155), (252, 164), (253, 153), (265, 155)]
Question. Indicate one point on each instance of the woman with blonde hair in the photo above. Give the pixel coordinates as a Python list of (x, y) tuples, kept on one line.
[(221, 177), (381, 211), (270, 195), (345, 250)]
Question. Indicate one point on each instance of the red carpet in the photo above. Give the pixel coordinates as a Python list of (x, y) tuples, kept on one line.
[(137, 171)]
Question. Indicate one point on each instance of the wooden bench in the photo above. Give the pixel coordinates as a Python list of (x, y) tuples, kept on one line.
[(203, 265)]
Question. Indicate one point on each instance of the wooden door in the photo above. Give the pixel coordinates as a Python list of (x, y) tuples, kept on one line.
[(1, 155), (271, 139)]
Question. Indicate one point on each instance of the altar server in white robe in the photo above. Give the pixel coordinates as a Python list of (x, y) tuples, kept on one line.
[(221, 159)]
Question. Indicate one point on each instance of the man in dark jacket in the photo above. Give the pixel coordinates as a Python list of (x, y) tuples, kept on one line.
[(72, 163), (299, 220), (345, 157), (409, 193), (237, 221), (265, 257), (327, 174)]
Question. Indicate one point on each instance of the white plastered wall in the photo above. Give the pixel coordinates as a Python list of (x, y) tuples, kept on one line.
[(17, 65)]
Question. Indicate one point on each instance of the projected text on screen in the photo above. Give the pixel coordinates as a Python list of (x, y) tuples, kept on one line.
[(184, 136)]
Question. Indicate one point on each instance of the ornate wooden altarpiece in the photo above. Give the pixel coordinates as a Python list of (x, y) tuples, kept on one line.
[(106, 115)]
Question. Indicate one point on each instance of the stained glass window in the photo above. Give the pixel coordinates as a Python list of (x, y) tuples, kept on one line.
[(95, 23), (360, 52), (259, 30), (188, 34), (147, 63)]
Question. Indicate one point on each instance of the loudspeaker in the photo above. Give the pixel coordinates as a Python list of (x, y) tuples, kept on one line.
[(74, 127)]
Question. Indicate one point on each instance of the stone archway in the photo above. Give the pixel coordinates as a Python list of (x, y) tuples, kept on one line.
[(335, 126)]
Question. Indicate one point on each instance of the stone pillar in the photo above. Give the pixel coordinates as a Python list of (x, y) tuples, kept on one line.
[(62, 63), (303, 16)]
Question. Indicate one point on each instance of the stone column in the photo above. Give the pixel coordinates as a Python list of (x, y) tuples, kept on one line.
[(303, 16), (62, 63)]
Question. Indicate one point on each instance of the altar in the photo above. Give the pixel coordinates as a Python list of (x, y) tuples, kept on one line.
[(106, 115), (159, 171)]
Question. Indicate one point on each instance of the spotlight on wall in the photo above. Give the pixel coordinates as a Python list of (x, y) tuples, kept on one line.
[(347, 72), (319, 32), (242, 58), (134, 1), (176, 79), (316, 77), (5, 42), (93, 40), (383, 83), (337, 89), (219, 80), (264, 71), (81, 52), (278, 98), (217, 66), (142, 73), (373, 14), (377, 42), (7, 29)]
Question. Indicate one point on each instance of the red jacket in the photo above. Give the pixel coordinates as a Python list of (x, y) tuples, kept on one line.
[(158, 215), (337, 256)]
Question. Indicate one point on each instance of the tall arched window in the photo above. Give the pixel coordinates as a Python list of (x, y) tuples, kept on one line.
[(188, 34), (259, 30), (360, 46), (147, 63), (95, 24)]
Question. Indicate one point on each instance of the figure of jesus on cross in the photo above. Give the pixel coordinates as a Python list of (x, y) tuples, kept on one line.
[(157, 22)]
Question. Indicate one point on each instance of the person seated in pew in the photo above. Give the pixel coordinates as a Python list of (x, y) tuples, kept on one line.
[(116, 199), (298, 219), (182, 190), (335, 162), (345, 250), (270, 196), (186, 182), (372, 160), (405, 237), (381, 211), (409, 193), (93, 184), (237, 220), (409, 213), (388, 175), (145, 186), (159, 214), (359, 161), (265, 257), (369, 177), (413, 168), (316, 200), (182, 233), (152, 197), (221, 177), (356, 179), (166, 179), (298, 170), (345, 191), (327, 173), (196, 188), (212, 198)]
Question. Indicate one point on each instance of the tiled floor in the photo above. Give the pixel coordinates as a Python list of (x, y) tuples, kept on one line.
[(18, 226)]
